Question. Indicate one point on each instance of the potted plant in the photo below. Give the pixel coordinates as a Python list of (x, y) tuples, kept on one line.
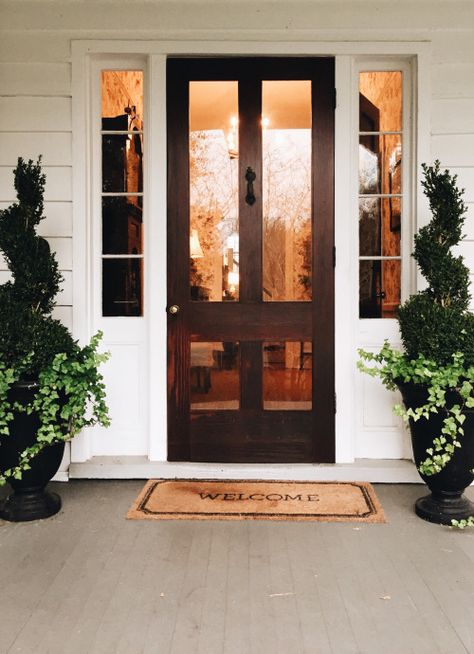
[(50, 387), (435, 372)]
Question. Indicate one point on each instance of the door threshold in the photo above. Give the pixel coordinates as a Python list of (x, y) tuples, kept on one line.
[(384, 471)]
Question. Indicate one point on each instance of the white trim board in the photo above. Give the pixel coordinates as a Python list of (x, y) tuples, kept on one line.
[(83, 52), (383, 471)]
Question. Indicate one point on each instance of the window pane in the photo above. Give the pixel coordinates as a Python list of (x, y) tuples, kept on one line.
[(391, 164), (122, 98), (122, 225), (369, 165), (215, 375), (391, 210), (379, 288), (122, 163), (391, 275), (286, 143), (214, 205), (122, 284), (287, 375), (380, 101), (369, 226)]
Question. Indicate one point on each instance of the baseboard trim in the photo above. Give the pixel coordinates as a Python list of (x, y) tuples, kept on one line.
[(386, 471)]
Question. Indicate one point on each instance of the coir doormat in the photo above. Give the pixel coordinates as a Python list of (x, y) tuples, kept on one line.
[(207, 499)]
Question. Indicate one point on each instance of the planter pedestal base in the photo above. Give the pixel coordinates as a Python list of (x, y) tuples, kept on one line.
[(30, 504), (441, 508)]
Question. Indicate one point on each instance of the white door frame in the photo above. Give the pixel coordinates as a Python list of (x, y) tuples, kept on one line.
[(346, 301)]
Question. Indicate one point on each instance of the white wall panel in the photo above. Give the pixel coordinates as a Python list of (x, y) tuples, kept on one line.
[(57, 221), (126, 401), (453, 116), (55, 148), (63, 249), (35, 114), (64, 297), (35, 79), (57, 189), (469, 224), (453, 46), (378, 403), (453, 149), (64, 315), (453, 80), (33, 47), (465, 181)]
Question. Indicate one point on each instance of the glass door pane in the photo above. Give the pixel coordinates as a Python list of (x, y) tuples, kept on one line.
[(213, 172), (287, 233)]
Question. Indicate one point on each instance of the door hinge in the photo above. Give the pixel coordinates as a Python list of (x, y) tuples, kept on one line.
[(335, 98), (334, 256)]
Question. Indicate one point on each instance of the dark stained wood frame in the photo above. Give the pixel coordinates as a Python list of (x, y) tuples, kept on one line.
[(251, 434)]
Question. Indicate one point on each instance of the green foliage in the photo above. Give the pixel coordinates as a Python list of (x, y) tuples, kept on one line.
[(457, 379), (33, 345), (435, 322), (462, 524), (436, 327)]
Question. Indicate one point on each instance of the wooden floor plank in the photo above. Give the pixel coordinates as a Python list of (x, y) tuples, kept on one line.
[(90, 582)]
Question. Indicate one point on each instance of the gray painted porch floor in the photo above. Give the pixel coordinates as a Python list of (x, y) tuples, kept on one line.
[(90, 582)]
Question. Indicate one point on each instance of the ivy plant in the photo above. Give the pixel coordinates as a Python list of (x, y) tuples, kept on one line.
[(436, 327), (35, 347)]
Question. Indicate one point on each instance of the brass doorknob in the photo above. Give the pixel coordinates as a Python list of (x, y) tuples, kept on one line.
[(173, 309)]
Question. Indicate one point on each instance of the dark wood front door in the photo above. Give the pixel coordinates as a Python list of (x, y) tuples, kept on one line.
[(251, 260)]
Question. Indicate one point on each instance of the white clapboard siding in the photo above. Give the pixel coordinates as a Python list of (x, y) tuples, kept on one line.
[(466, 249), (465, 181), (453, 80), (35, 114), (58, 184), (453, 116), (453, 47), (64, 314), (62, 247), (57, 221), (469, 224), (55, 148), (34, 47), (35, 79), (453, 149)]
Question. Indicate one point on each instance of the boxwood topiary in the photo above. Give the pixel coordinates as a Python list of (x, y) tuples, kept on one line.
[(34, 345), (436, 326), (436, 322)]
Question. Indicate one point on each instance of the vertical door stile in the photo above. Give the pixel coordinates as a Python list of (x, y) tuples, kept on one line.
[(178, 262), (250, 139), (323, 269)]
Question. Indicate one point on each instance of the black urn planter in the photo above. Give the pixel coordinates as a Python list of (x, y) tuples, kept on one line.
[(29, 500), (446, 501)]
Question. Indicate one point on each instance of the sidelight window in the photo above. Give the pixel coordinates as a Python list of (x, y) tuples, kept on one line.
[(122, 192), (381, 193)]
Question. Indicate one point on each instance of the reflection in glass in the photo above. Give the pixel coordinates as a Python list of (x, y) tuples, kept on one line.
[(122, 163), (122, 284), (287, 234), (379, 288), (213, 171), (215, 376), (122, 96), (369, 165), (391, 211), (369, 226), (287, 375), (122, 225), (379, 227), (383, 89)]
